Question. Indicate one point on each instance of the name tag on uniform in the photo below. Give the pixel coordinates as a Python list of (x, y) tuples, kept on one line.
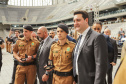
[(55, 51), (21, 45)]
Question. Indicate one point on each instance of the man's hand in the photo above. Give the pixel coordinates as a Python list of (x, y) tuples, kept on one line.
[(11, 32), (74, 82), (19, 59), (45, 77), (29, 58), (2, 46), (48, 70), (113, 64)]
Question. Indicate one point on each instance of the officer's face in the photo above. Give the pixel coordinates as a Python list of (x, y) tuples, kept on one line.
[(97, 28), (61, 34), (27, 33), (80, 23), (40, 34)]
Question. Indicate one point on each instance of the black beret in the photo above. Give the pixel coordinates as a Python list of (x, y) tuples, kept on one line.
[(27, 27), (63, 26)]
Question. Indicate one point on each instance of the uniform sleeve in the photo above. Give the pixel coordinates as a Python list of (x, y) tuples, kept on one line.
[(51, 53), (15, 49)]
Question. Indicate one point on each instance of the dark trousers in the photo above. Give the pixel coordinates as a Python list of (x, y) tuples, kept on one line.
[(109, 75), (14, 71), (0, 65)]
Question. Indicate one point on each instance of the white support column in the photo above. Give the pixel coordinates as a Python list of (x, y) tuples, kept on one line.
[(42, 2), (96, 14)]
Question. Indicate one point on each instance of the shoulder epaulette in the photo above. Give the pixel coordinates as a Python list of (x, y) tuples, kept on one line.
[(72, 42), (53, 44)]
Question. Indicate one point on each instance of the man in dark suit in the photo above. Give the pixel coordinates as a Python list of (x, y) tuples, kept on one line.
[(97, 26), (71, 39), (43, 53), (90, 54), (112, 56)]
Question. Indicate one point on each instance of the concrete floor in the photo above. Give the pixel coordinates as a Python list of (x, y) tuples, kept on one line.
[(6, 73)]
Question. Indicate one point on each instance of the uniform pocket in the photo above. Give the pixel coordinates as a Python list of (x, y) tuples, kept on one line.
[(68, 56), (17, 69), (32, 48), (55, 57)]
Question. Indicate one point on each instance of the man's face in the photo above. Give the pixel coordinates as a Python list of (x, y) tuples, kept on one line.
[(40, 34), (61, 34), (97, 28), (107, 32), (79, 23), (52, 34), (34, 35), (16, 34), (27, 33)]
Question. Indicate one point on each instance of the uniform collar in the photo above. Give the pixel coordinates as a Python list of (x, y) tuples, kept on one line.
[(26, 40), (67, 42)]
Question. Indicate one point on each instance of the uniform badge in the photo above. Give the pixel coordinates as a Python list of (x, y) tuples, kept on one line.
[(32, 43), (68, 48)]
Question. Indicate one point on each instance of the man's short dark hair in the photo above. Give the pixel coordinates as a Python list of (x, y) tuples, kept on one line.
[(84, 13), (17, 31), (98, 22)]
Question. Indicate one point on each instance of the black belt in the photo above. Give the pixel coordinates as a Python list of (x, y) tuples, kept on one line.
[(63, 73), (26, 64)]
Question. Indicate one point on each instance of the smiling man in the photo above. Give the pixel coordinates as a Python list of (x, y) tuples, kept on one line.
[(25, 51), (90, 53)]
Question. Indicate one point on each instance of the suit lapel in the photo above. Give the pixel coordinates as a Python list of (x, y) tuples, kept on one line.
[(45, 43), (85, 40)]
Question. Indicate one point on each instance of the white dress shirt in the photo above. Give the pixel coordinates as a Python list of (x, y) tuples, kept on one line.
[(82, 40)]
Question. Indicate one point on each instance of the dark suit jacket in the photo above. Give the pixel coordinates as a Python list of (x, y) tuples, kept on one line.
[(109, 44), (71, 39), (92, 60), (114, 54), (43, 58)]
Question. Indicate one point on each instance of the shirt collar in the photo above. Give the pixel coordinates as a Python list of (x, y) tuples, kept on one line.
[(26, 40), (85, 32), (67, 42)]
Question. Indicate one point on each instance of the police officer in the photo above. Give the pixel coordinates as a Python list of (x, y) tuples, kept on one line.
[(26, 49), (61, 55), (14, 39), (1, 47)]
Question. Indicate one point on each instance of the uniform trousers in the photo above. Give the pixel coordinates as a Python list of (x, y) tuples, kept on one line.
[(25, 71)]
